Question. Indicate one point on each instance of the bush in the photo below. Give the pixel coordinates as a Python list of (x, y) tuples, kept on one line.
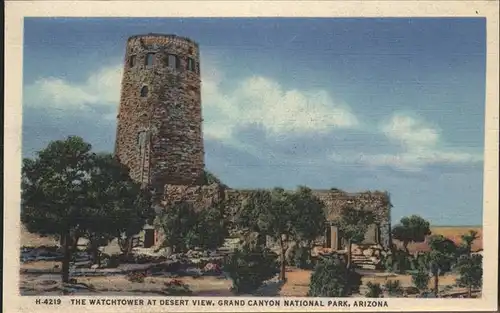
[(202, 263), (411, 290), (470, 269), (302, 258), (176, 287), (398, 262), (114, 261), (110, 261), (374, 290), (421, 262), (331, 278), (393, 288), (420, 279), (136, 277), (249, 267)]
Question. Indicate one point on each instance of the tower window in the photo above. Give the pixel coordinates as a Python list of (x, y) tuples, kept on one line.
[(131, 61), (149, 59), (190, 65), (173, 61), (141, 139), (144, 91)]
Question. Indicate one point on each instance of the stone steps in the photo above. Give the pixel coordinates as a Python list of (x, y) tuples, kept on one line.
[(363, 261)]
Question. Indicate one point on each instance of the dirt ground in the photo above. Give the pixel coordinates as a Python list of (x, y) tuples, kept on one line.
[(297, 283)]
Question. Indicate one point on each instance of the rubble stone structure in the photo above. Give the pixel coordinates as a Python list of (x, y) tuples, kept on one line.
[(159, 134), (159, 137), (378, 202)]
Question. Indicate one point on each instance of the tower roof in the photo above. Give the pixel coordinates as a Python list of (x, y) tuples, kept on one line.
[(164, 36)]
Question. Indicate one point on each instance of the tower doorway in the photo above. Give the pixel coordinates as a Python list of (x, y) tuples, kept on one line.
[(149, 238)]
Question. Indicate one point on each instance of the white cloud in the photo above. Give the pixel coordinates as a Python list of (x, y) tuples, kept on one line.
[(421, 145), (102, 88), (263, 101), (410, 132), (255, 100)]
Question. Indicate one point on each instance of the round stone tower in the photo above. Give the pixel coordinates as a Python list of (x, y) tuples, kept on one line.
[(159, 131)]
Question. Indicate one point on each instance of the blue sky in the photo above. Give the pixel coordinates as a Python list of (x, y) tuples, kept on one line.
[(355, 104)]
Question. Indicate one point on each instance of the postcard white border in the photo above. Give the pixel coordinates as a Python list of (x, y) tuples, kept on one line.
[(16, 10)]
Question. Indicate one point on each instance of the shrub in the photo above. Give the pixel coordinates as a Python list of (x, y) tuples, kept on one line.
[(374, 290), (110, 261), (302, 258), (420, 279), (114, 261), (421, 262), (470, 269), (393, 288), (331, 278), (136, 277), (249, 267), (202, 263), (398, 262), (176, 287), (411, 290)]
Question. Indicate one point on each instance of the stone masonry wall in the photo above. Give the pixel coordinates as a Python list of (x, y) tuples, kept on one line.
[(206, 196), (202, 197), (159, 132), (377, 202)]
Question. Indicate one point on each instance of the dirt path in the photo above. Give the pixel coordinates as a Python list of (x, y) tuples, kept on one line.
[(297, 283)]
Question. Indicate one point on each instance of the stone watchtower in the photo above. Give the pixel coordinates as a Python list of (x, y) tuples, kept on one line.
[(159, 132)]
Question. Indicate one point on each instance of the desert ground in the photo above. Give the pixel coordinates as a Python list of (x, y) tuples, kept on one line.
[(297, 284), (42, 277)]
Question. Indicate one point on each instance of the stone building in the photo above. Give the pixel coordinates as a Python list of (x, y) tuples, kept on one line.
[(159, 137), (334, 200)]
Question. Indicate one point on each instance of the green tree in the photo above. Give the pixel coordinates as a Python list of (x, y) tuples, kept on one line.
[(301, 257), (253, 207), (399, 261), (309, 220), (331, 278), (212, 227), (69, 191), (118, 206), (283, 216), (411, 229), (249, 267), (353, 224), (53, 192), (420, 279), (135, 210), (185, 228), (179, 222), (467, 241), (441, 257), (470, 269)]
